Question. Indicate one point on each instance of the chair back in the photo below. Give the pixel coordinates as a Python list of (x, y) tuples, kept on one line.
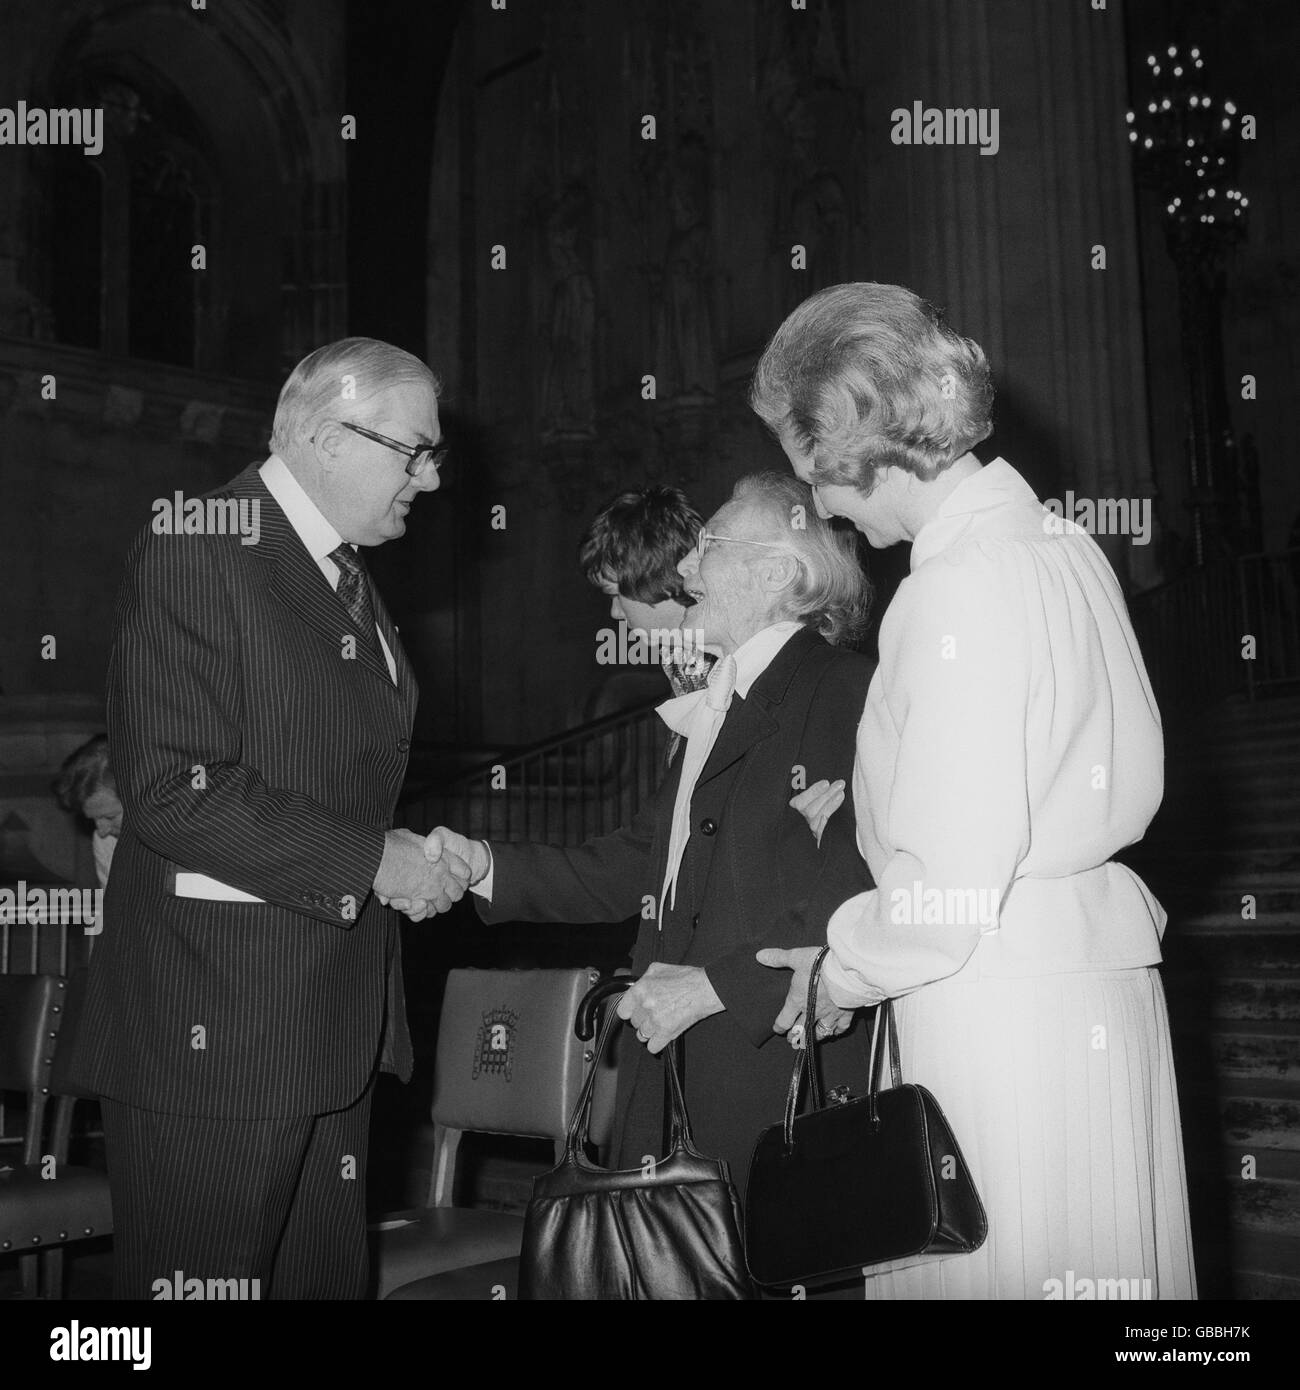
[(508, 1061), (31, 1008)]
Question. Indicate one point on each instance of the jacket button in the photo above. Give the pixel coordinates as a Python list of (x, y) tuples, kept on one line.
[(695, 921), (708, 826), (403, 744)]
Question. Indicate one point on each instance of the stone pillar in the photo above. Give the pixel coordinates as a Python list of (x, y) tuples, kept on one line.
[(1005, 241)]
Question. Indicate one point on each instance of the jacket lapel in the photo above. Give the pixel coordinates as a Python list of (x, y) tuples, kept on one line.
[(406, 682), (296, 580), (749, 720)]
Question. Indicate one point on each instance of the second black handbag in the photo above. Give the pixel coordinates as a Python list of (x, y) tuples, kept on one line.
[(670, 1230), (859, 1182)]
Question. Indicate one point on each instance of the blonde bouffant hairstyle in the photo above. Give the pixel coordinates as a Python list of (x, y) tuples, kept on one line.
[(862, 376)]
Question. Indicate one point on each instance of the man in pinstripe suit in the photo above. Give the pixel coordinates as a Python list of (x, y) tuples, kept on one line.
[(247, 986)]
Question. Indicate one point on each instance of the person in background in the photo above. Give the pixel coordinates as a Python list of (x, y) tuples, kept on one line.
[(86, 787), (632, 551)]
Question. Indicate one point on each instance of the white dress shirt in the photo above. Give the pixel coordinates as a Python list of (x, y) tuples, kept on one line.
[(315, 532), (1010, 745)]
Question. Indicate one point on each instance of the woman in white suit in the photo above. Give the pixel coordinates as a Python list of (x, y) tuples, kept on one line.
[(1009, 747)]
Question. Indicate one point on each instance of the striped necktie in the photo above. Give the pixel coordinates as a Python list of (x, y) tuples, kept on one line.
[(354, 590)]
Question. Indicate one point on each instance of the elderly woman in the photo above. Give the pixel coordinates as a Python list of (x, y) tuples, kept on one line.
[(719, 864), (1009, 747)]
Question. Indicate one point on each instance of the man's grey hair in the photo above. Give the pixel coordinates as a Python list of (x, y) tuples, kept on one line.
[(831, 593), (340, 381)]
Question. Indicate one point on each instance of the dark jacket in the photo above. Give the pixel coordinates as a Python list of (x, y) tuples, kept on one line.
[(247, 748), (752, 876)]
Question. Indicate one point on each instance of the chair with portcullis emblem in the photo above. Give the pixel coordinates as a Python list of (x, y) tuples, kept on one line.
[(507, 1062)]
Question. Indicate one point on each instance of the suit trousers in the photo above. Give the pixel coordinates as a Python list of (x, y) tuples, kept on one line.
[(280, 1200)]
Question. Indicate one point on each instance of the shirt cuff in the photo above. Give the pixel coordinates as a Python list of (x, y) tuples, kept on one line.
[(483, 888)]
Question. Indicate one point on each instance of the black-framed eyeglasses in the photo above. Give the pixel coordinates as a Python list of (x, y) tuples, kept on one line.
[(418, 456)]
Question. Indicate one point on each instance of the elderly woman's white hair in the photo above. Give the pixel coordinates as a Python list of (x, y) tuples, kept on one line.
[(338, 381), (831, 593), (861, 376)]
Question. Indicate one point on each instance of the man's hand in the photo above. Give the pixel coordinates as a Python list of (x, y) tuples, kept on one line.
[(472, 852), (666, 1001), (831, 1019), (818, 803), (411, 881)]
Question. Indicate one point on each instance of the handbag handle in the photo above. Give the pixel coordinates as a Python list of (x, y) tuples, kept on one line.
[(806, 1062), (680, 1134), (885, 1015)]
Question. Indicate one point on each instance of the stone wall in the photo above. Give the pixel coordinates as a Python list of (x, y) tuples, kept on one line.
[(570, 258)]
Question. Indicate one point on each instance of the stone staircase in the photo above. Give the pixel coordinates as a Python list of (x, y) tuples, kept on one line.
[(1223, 855)]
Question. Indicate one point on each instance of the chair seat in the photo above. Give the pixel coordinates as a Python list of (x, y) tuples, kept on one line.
[(411, 1245), (494, 1281), (37, 1211)]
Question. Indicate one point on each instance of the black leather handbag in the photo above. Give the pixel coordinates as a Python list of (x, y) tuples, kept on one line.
[(669, 1233), (858, 1182)]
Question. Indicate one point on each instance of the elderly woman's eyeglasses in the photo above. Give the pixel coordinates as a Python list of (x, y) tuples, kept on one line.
[(418, 456), (702, 543)]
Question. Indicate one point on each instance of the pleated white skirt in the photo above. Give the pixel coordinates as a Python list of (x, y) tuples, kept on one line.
[(1060, 1093)]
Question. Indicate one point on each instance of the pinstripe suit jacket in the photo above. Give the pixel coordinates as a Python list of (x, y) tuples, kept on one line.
[(248, 748)]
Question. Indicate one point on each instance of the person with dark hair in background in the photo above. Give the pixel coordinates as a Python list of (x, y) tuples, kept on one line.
[(86, 787), (631, 552)]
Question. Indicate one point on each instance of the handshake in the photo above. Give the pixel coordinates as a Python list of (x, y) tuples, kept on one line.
[(422, 877)]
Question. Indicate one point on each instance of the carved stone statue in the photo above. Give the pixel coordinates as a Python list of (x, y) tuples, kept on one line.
[(569, 380)]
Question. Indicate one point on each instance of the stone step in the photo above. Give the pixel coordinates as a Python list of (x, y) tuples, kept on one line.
[(1183, 863), (1192, 959), (1258, 1051), (1187, 902), (1265, 1265), (1272, 998), (1228, 918), (1261, 1115), (1271, 1199)]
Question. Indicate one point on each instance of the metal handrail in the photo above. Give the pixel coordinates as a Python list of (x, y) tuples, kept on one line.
[(561, 789), (1192, 630)]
